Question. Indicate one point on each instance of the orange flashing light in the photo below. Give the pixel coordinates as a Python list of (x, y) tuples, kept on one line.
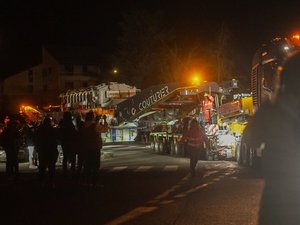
[(296, 39), (196, 79)]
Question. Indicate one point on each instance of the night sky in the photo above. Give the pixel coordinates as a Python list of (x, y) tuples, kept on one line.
[(26, 25)]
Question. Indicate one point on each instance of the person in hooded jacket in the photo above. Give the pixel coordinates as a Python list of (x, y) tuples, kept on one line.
[(80, 145), (29, 130), (47, 141), (275, 128), (68, 137), (194, 139), (92, 143), (11, 143)]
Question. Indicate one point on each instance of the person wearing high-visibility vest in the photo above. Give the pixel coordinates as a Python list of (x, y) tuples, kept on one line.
[(207, 107), (194, 138)]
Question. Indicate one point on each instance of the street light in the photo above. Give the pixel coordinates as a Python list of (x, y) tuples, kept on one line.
[(196, 79)]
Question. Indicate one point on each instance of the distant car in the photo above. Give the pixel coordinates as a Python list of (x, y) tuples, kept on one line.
[(23, 155)]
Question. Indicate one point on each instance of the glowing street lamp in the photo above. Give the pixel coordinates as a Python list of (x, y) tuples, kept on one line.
[(196, 79)]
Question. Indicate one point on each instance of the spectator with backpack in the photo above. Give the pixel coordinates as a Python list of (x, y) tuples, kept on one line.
[(11, 143), (92, 143), (46, 142), (29, 131), (68, 137), (79, 145)]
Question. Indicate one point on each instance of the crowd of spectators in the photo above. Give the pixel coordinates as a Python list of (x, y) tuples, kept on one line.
[(80, 140)]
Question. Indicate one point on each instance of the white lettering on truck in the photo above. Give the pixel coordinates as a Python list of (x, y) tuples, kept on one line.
[(153, 98)]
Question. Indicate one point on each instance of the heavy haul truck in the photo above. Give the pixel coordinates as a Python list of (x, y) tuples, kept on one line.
[(161, 113), (226, 134), (173, 116), (163, 107), (223, 121)]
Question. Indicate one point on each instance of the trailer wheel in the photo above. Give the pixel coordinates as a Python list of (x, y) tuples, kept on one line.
[(178, 149), (244, 154), (160, 146), (156, 146), (152, 145), (173, 153), (253, 160), (208, 156), (238, 154), (166, 148)]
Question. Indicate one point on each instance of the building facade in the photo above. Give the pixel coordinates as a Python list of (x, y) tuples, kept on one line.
[(41, 84)]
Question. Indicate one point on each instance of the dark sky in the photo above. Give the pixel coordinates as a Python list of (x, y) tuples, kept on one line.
[(25, 25)]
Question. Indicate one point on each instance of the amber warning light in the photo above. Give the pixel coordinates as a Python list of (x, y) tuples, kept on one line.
[(296, 39)]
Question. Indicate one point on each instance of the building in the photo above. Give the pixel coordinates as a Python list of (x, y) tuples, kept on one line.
[(59, 70)]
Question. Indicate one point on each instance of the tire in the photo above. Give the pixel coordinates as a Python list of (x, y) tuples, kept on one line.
[(152, 145), (209, 156), (253, 160), (172, 146), (156, 146), (178, 149), (244, 154), (166, 148), (238, 154), (160, 146), (251, 157), (204, 154)]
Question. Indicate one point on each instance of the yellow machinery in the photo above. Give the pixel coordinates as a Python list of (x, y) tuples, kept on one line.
[(232, 120)]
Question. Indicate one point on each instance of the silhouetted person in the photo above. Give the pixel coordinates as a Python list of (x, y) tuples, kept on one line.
[(80, 146), (194, 138), (46, 138), (29, 131), (277, 126), (92, 143), (68, 137), (11, 143)]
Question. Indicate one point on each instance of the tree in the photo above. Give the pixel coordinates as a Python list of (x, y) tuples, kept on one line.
[(139, 52), (149, 52), (224, 55)]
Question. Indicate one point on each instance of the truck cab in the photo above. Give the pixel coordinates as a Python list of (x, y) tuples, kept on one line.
[(266, 63)]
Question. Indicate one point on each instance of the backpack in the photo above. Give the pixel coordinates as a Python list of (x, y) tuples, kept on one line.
[(91, 138)]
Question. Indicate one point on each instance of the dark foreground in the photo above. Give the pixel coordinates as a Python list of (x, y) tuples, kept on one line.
[(26, 201), (131, 197)]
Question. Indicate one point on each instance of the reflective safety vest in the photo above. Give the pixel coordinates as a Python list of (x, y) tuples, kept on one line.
[(207, 106), (195, 137), (195, 141)]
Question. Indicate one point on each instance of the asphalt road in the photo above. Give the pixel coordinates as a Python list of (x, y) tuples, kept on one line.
[(137, 187)]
